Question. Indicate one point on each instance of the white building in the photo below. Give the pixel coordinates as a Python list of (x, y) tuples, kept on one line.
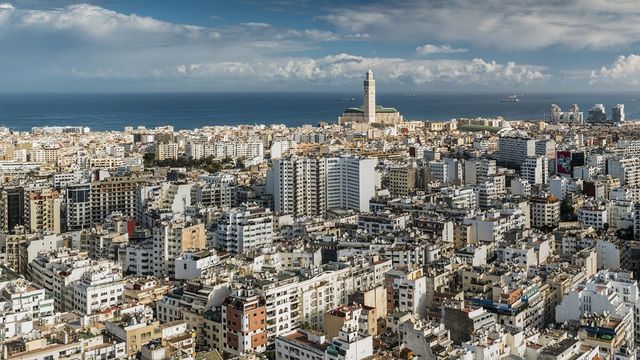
[(521, 187), (607, 291), (96, 290), (535, 170), (492, 225), (170, 238), (594, 215), (350, 182), (244, 228), (478, 170), (59, 271), (627, 170), (573, 116), (194, 264), (544, 211), (513, 151), (139, 259)]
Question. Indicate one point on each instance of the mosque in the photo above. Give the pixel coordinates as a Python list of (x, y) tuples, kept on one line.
[(370, 113)]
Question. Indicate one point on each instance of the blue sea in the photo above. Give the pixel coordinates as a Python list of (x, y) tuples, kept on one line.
[(192, 110)]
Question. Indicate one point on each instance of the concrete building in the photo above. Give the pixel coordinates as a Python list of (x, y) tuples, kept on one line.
[(245, 228), (594, 215), (78, 206), (407, 291), (464, 320), (114, 194), (513, 151), (478, 170), (535, 170), (402, 180), (216, 190), (170, 239), (13, 208), (166, 151), (351, 183), (573, 116), (194, 264), (244, 315), (607, 292), (364, 316), (627, 170), (43, 211), (544, 211), (298, 186)]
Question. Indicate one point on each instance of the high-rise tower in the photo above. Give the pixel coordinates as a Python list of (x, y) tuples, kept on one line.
[(369, 98)]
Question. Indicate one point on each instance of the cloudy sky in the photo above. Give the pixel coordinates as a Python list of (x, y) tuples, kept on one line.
[(319, 45)]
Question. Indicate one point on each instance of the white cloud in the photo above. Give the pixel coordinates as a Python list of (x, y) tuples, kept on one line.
[(624, 71), (6, 7), (508, 24), (344, 69), (87, 42), (428, 49)]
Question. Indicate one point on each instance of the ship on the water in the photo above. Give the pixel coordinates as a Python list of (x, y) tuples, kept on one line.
[(511, 98)]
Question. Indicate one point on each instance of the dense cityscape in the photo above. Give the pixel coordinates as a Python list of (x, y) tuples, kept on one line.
[(371, 237)]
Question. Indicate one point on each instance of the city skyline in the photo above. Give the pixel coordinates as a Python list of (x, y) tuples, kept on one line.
[(432, 46)]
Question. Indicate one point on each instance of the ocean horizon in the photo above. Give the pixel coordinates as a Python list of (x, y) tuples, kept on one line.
[(114, 111)]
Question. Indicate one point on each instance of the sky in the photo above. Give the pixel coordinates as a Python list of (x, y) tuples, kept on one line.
[(319, 45)]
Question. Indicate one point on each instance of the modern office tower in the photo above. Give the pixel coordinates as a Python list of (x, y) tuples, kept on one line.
[(44, 211), (78, 206), (305, 186), (617, 114), (13, 208), (535, 170), (172, 237), (166, 151), (244, 314), (478, 170), (627, 170), (114, 194), (513, 151), (245, 228), (544, 211), (402, 180), (597, 114)]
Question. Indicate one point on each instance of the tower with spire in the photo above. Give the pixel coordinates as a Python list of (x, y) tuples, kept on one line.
[(370, 113), (369, 98)]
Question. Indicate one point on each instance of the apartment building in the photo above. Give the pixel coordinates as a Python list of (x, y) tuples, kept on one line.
[(244, 228)]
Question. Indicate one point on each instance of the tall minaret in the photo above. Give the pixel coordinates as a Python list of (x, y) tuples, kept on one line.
[(369, 98)]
